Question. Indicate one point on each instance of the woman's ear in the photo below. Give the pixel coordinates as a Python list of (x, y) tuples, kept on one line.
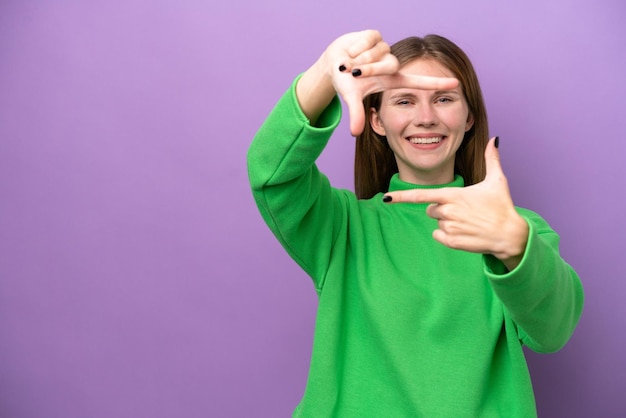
[(377, 124), (470, 122)]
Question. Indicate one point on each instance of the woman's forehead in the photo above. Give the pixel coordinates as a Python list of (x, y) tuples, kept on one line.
[(426, 66)]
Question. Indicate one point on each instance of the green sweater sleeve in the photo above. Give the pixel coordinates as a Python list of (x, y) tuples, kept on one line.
[(293, 197), (543, 294)]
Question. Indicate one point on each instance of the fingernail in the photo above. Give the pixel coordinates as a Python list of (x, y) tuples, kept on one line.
[(387, 198), (342, 68), (496, 142), (356, 72)]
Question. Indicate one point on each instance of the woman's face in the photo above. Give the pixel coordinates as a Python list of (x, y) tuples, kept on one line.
[(424, 128)]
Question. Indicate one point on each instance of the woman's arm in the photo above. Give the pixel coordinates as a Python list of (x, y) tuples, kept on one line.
[(540, 291), (542, 294), (294, 198)]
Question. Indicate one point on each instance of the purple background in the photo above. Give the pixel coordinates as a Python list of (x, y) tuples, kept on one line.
[(137, 278)]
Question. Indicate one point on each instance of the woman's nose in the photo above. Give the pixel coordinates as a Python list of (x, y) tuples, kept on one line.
[(425, 115)]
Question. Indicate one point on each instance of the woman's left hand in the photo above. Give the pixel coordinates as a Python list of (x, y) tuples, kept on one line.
[(480, 218)]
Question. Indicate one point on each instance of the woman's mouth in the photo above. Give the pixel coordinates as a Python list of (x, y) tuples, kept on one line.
[(422, 140)]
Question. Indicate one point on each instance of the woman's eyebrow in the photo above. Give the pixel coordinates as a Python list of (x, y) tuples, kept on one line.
[(411, 95), (403, 94), (453, 91)]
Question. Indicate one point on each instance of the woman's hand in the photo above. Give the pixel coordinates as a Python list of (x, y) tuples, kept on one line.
[(354, 66), (480, 218)]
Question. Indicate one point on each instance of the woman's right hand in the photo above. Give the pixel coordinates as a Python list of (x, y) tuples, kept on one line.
[(354, 66)]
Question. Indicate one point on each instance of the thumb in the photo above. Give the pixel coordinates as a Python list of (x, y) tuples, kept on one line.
[(357, 114), (492, 158)]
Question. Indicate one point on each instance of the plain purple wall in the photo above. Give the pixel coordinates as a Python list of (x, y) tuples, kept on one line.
[(137, 278)]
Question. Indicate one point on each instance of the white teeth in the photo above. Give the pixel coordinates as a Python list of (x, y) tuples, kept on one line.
[(432, 140)]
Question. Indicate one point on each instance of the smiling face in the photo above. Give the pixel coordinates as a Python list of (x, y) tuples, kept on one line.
[(424, 128)]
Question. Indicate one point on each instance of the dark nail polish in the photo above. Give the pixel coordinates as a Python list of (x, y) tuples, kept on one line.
[(496, 142), (387, 199), (342, 68), (356, 72)]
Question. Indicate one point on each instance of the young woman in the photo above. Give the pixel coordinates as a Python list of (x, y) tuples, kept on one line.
[(430, 280)]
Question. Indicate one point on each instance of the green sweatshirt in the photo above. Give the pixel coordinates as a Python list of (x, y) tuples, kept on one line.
[(406, 327)]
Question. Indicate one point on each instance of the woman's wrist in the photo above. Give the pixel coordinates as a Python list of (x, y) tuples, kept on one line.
[(315, 90), (514, 247)]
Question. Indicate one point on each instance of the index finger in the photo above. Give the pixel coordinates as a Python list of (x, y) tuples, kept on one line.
[(423, 82), (441, 196)]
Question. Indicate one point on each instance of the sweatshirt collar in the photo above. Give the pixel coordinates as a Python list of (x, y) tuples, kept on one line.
[(396, 184)]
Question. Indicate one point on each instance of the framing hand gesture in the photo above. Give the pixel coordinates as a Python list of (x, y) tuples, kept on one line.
[(480, 218), (354, 66)]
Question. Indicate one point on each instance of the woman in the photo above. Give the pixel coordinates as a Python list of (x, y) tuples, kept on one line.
[(428, 289)]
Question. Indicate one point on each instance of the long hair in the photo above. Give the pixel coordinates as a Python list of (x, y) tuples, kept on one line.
[(375, 162)]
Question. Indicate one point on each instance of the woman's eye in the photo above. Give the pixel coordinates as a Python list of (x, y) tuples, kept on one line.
[(443, 100), (403, 102)]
